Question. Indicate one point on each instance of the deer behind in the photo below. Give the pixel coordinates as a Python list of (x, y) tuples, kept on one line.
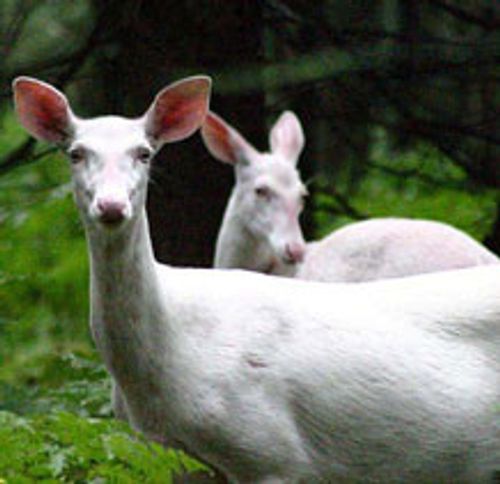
[(261, 230), (272, 379)]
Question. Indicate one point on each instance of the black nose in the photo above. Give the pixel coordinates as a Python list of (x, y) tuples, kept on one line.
[(110, 211), (294, 252)]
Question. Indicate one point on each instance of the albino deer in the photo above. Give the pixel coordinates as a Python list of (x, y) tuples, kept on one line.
[(273, 379), (261, 232)]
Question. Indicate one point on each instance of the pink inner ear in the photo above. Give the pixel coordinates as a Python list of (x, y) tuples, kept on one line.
[(179, 111), (286, 136), (42, 111), (217, 139)]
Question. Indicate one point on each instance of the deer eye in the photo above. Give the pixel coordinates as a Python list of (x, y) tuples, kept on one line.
[(76, 155), (143, 155), (263, 192)]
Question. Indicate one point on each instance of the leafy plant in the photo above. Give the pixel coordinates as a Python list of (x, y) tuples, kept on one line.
[(64, 447), (57, 429)]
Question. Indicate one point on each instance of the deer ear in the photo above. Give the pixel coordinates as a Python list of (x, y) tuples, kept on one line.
[(224, 142), (287, 138), (178, 110), (42, 110)]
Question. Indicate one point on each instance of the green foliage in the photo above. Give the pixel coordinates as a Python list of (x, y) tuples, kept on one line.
[(64, 447), (70, 382), (43, 262), (57, 429), (418, 183)]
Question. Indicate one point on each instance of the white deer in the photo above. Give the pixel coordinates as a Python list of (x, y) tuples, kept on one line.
[(272, 379), (261, 231)]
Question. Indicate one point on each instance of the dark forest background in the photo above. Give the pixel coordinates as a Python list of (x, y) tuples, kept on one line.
[(400, 104)]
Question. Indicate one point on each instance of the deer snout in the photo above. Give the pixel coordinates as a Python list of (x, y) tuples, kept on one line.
[(294, 252), (111, 212)]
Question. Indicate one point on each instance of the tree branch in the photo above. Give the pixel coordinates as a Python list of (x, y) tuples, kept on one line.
[(341, 201), (487, 23), (22, 155)]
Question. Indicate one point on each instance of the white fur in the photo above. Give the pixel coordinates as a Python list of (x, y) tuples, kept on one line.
[(278, 380), (391, 247), (260, 232), (363, 251)]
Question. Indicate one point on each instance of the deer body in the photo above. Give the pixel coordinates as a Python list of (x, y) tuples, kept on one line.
[(390, 247), (277, 381), (362, 251), (272, 379), (319, 390)]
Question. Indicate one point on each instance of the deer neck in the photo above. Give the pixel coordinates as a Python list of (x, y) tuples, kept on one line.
[(236, 247), (122, 261), (128, 315)]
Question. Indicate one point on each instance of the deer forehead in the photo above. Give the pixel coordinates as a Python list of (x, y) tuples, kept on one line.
[(278, 174), (111, 134)]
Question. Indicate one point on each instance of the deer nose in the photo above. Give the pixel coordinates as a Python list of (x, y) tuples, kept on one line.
[(111, 211), (294, 252)]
